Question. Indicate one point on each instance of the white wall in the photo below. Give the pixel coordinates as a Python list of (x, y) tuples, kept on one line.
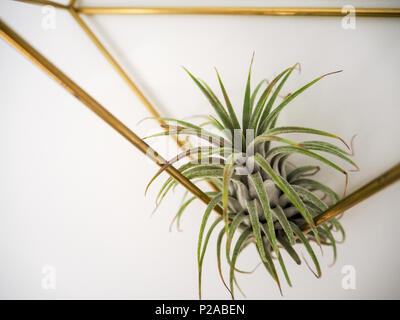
[(71, 189)]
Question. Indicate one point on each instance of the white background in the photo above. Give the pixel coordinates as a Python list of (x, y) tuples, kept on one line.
[(72, 189)]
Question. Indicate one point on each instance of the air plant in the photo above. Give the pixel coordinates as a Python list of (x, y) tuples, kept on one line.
[(266, 199)]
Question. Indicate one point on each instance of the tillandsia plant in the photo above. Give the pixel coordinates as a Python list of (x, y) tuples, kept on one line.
[(265, 199)]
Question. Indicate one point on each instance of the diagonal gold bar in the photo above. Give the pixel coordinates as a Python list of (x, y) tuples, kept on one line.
[(24, 47), (246, 11), (20, 44), (114, 63), (123, 74), (111, 60), (377, 184)]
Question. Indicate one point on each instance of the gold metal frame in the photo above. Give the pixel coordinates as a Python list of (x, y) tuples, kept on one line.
[(243, 11), (24, 47), (261, 11)]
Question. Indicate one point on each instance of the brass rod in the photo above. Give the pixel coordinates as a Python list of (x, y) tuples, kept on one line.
[(45, 3), (114, 63), (377, 184), (37, 58), (123, 75), (248, 11)]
